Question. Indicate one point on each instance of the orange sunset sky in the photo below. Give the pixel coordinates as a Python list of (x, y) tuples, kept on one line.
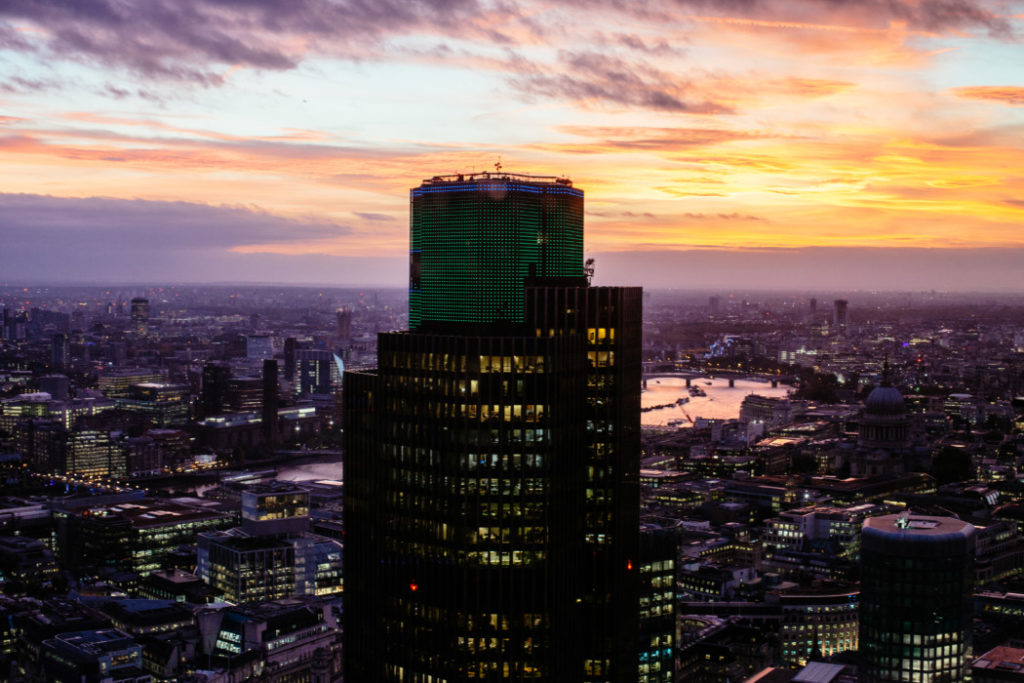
[(745, 142)]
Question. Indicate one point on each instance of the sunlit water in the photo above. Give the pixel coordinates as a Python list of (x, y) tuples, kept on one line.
[(722, 401), (310, 471)]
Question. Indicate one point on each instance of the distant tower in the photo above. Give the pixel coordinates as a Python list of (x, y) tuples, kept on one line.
[(839, 318), (814, 307), (345, 323), (917, 579), (213, 395), (290, 345), (270, 399), (140, 315), (713, 303), (60, 351), (313, 369)]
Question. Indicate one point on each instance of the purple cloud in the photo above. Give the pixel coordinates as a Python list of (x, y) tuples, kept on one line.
[(78, 227), (606, 78), (195, 40)]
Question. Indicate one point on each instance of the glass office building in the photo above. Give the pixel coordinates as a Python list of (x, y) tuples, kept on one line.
[(476, 239), (492, 459), (917, 579)]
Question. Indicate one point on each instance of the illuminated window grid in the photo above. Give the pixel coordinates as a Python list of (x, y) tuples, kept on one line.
[(474, 244)]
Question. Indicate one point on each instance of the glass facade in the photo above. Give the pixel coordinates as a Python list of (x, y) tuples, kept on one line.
[(475, 240), (917, 580), (492, 460)]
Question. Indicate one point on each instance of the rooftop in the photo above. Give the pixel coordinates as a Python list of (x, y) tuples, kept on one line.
[(910, 525), (498, 175)]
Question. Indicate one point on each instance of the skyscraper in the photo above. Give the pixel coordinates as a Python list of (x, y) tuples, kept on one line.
[(140, 315), (492, 458), (839, 316), (474, 241), (916, 612), (60, 351)]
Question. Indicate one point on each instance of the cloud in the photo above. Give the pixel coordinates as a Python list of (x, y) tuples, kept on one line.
[(199, 41), (1006, 94), (69, 229), (19, 86), (734, 216), (926, 15), (195, 40), (598, 77), (368, 216), (654, 138)]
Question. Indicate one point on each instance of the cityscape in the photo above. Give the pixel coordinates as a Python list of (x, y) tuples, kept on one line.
[(541, 479), (427, 341)]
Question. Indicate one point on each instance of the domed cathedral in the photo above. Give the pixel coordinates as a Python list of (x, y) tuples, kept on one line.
[(883, 442)]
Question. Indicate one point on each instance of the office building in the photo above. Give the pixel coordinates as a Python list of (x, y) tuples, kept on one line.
[(137, 536), (259, 346), (293, 639), (272, 555), (213, 395), (839, 315), (474, 240), (118, 383), (93, 657), (344, 320), (140, 315), (491, 484), (318, 371), (917, 579), (659, 553), (270, 400), (291, 344), (60, 351), (163, 403)]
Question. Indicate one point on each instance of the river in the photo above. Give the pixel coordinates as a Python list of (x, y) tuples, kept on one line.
[(722, 401)]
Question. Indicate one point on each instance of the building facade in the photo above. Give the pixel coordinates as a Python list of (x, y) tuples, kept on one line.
[(491, 497), (916, 608)]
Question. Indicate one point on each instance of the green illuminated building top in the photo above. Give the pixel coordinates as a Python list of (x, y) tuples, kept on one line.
[(475, 239)]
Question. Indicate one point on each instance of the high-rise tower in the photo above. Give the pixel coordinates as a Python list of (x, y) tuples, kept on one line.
[(917, 578), (474, 241), (492, 459), (839, 315), (140, 315)]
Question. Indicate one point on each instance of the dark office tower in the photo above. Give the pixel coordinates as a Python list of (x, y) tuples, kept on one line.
[(313, 370), (713, 304), (813, 307), (917, 578), (290, 346), (839, 317), (213, 396), (659, 552), (491, 494), (60, 351), (270, 400), (475, 239), (344, 318), (140, 315)]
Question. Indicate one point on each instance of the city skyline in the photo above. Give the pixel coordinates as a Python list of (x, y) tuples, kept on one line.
[(211, 142)]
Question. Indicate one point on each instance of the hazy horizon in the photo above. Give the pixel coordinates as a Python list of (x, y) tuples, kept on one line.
[(204, 140), (777, 270)]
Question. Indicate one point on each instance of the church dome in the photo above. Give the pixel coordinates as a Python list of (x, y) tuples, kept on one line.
[(885, 400)]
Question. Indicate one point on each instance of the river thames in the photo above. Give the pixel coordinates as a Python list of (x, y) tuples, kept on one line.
[(722, 401)]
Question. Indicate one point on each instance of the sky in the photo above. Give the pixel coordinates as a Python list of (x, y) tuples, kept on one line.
[(862, 144)]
